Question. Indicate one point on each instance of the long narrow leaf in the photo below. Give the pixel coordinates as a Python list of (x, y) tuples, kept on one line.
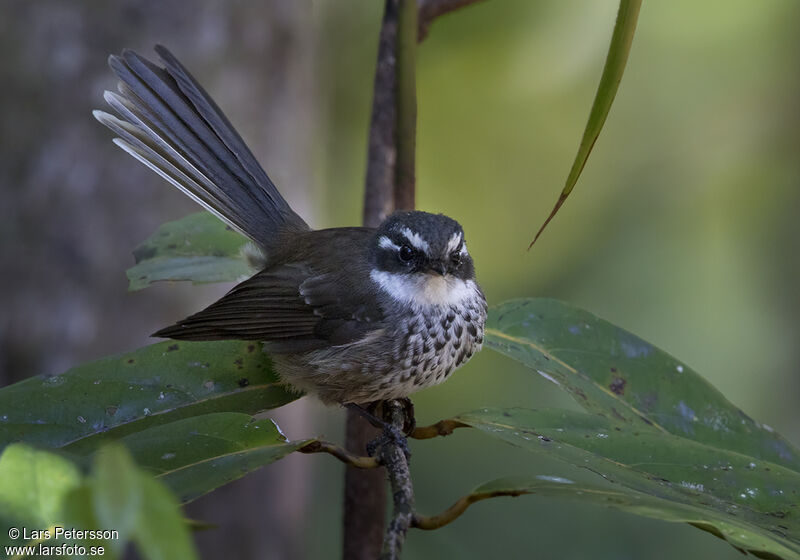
[(609, 83)]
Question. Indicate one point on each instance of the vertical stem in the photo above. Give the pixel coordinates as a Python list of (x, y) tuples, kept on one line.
[(405, 182), (365, 491), (406, 133), (390, 184), (382, 155), (364, 496)]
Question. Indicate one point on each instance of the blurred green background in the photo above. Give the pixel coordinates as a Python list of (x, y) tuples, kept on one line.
[(683, 228)]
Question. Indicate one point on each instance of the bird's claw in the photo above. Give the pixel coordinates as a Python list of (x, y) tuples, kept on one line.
[(390, 435)]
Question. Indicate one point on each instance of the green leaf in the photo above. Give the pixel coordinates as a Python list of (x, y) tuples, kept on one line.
[(198, 270), (611, 372), (725, 527), (33, 485), (150, 516), (124, 394), (196, 455), (41, 490), (79, 513), (199, 248), (162, 533), (117, 493), (752, 503), (656, 427), (614, 67)]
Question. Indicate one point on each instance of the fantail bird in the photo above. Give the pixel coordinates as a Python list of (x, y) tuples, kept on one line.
[(351, 314)]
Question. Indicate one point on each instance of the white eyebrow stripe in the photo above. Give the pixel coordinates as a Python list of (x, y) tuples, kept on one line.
[(386, 243), (415, 239), (453, 242), (463, 252)]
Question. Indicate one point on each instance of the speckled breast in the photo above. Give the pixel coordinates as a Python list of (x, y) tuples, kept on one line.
[(421, 348), (433, 342)]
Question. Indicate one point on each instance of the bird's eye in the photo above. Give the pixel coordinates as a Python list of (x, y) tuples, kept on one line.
[(455, 258), (405, 254)]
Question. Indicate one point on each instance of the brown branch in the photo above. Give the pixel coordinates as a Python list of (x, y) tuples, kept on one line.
[(382, 151), (441, 428), (390, 185), (393, 456), (454, 512), (345, 456), (429, 10), (406, 92), (364, 496)]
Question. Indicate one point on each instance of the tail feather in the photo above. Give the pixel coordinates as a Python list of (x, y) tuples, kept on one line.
[(217, 120), (140, 145), (169, 123), (143, 145)]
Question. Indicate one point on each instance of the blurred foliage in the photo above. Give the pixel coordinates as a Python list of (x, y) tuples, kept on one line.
[(41, 491)]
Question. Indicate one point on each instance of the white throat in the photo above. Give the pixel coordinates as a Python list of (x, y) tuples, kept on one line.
[(424, 289)]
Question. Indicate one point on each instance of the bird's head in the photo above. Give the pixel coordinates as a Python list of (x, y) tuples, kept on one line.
[(422, 258)]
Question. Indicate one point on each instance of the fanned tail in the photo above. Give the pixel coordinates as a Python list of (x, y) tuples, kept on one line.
[(169, 123)]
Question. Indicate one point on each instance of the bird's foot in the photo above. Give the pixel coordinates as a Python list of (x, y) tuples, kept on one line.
[(391, 434), (408, 413)]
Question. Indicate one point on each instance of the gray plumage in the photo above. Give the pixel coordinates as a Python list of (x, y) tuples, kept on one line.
[(349, 314)]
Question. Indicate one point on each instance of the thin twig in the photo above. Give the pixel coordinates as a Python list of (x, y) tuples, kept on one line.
[(460, 506), (345, 456), (393, 456), (429, 10), (441, 428)]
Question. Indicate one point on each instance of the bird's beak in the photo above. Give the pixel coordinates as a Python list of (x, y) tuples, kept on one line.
[(439, 268)]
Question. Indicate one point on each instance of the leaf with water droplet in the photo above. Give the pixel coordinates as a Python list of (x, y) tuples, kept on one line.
[(612, 372), (195, 455), (681, 474), (127, 401)]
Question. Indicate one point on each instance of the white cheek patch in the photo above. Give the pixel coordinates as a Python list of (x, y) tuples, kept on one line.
[(453, 242), (386, 243), (415, 239), (424, 289)]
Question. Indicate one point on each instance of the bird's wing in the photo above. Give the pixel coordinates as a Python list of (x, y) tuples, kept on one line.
[(290, 305)]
